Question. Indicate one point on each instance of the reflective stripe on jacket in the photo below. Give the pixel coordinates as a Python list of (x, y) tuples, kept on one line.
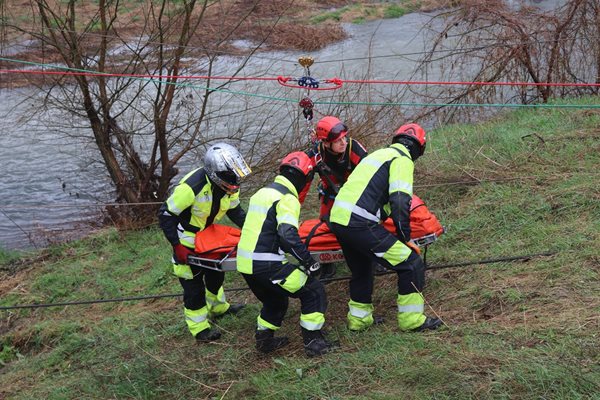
[(380, 186), (270, 213), (192, 203)]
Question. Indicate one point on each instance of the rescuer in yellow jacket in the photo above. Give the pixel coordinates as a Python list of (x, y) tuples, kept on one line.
[(270, 231), (381, 186), (202, 197)]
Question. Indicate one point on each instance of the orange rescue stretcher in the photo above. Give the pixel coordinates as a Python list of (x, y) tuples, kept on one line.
[(216, 245)]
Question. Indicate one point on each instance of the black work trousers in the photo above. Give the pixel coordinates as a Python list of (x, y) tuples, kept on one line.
[(194, 296), (361, 246), (275, 299)]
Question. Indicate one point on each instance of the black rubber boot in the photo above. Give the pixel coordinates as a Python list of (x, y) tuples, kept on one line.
[(235, 308), (327, 271), (208, 335), (232, 310), (315, 344), (266, 341), (429, 324)]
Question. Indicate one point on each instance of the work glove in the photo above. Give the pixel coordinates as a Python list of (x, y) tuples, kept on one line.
[(414, 247), (181, 253), (312, 268)]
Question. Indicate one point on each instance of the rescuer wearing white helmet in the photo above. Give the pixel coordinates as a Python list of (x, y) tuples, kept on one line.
[(201, 198)]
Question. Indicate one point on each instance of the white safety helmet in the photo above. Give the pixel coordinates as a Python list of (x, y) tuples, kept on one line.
[(225, 167)]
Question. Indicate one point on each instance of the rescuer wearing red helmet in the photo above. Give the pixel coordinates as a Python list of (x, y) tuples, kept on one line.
[(335, 156), (270, 231), (380, 187)]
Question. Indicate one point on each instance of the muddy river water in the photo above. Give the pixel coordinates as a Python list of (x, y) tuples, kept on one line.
[(48, 183)]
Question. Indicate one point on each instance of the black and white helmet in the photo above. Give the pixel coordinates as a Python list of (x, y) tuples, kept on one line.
[(225, 167)]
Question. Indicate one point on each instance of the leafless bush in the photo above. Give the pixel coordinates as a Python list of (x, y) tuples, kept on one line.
[(144, 119), (494, 41)]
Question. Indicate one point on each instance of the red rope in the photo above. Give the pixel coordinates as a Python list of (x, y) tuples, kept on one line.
[(337, 82), (113, 75), (391, 82)]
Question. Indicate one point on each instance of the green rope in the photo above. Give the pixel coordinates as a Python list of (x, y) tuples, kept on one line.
[(366, 103), (289, 100), (188, 85)]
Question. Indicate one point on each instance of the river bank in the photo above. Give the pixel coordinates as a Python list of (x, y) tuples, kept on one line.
[(520, 330), (54, 186), (270, 25)]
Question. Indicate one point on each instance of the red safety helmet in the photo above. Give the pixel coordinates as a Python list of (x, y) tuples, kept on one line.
[(300, 161), (414, 132), (329, 129)]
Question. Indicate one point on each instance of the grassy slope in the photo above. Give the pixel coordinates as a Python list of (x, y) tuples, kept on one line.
[(514, 330)]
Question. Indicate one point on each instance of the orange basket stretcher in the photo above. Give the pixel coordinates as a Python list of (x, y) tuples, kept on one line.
[(216, 245)]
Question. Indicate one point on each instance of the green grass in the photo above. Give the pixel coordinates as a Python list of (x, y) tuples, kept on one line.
[(335, 15), (8, 256), (360, 13), (514, 330), (394, 11)]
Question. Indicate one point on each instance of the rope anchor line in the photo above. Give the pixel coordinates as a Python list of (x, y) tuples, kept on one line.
[(302, 82), (526, 257), (309, 83)]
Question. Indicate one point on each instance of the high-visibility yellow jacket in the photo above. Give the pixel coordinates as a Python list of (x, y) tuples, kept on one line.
[(271, 229), (195, 204), (381, 186)]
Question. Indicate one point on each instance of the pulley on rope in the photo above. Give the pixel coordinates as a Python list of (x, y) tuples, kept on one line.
[(307, 81), (306, 62)]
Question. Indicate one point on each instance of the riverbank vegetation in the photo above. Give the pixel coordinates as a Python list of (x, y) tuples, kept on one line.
[(137, 77), (280, 25), (515, 54), (146, 86), (524, 182)]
